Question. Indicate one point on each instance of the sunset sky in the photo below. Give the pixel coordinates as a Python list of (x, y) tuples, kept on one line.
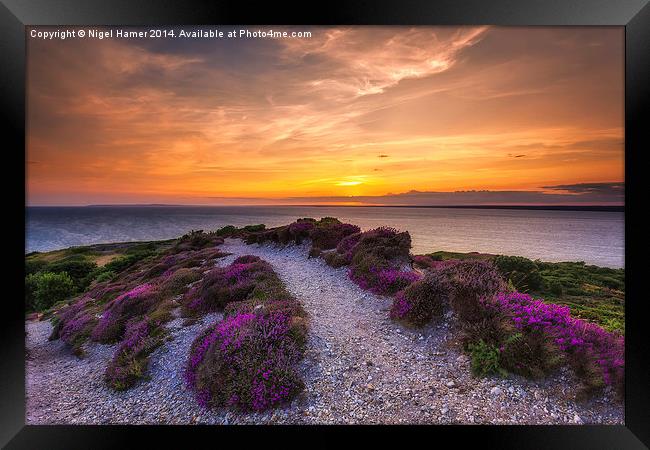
[(351, 115)]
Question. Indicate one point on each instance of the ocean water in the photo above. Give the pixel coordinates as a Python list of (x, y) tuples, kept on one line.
[(590, 236)]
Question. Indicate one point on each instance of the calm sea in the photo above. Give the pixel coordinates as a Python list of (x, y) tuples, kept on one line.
[(593, 237)]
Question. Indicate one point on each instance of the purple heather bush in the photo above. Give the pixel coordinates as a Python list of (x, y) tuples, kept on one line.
[(422, 300), (130, 360), (74, 323), (176, 282), (247, 361), (237, 282), (77, 328), (289, 306), (300, 230), (132, 306), (325, 233), (329, 232), (375, 259), (389, 281), (247, 259), (346, 247), (196, 240), (384, 243), (422, 261), (589, 348), (295, 232), (472, 281), (136, 302), (427, 262)]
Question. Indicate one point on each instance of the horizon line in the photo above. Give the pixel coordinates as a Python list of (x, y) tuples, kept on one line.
[(549, 207)]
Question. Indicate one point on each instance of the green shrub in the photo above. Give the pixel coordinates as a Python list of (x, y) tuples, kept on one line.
[(422, 300), (493, 329), (522, 272), (105, 276), (472, 281), (556, 288), (485, 359), (227, 231), (335, 259), (177, 282), (195, 240), (254, 228), (77, 267), (118, 265), (47, 288), (30, 289), (34, 265), (530, 354)]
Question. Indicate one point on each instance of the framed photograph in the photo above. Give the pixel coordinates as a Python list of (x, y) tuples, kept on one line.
[(389, 218)]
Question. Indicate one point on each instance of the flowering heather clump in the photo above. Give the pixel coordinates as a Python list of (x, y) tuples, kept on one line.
[(289, 306), (223, 285), (365, 271), (74, 323), (300, 230), (77, 328), (197, 239), (295, 232), (248, 360), (427, 262), (472, 281), (176, 282), (444, 265), (584, 343), (389, 281), (375, 258), (530, 353), (422, 300), (246, 259), (327, 234), (346, 246), (422, 261), (112, 323), (386, 243), (130, 360), (335, 259)]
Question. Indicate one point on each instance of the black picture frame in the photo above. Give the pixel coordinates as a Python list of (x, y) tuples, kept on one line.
[(634, 15)]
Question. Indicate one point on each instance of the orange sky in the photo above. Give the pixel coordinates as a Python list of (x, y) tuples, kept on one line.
[(362, 111)]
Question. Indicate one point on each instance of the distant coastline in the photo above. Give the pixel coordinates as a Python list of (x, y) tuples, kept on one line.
[(597, 208)]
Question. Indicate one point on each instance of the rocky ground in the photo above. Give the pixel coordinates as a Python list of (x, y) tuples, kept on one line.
[(360, 367)]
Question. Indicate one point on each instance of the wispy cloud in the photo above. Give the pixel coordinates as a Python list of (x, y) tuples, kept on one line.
[(613, 188)]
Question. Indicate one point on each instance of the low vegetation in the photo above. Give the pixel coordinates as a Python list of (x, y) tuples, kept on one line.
[(248, 278), (83, 266), (507, 331), (593, 293), (515, 315), (131, 304), (249, 360)]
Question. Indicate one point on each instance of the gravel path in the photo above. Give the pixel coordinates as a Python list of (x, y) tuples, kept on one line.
[(360, 367)]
